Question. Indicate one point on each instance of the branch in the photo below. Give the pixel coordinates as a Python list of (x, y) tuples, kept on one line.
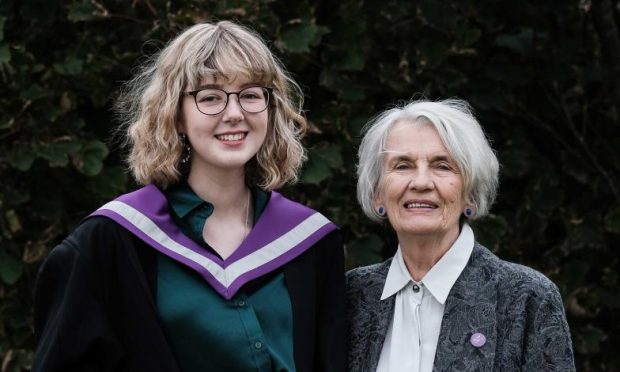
[(605, 24), (578, 152), (151, 7), (586, 149)]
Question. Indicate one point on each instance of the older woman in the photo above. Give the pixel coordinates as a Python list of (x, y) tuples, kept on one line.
[(444, 302), (206, 267)]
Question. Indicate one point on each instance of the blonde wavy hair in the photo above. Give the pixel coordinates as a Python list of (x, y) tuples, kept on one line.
[(149, 104)]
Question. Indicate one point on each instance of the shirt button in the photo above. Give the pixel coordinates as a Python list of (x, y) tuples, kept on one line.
[(258, 345), (241, 303), (416, 288)]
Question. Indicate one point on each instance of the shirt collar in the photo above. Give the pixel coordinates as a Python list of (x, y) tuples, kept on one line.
[(398, 276), (184, 200), (441, 277)]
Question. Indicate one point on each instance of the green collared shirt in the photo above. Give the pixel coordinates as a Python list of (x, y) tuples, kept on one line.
[(253, 331)]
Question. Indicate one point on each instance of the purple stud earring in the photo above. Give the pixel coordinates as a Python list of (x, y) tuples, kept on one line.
[(381, 211), (469, 212)]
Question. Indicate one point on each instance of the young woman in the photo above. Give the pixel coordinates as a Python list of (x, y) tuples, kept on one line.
[(204, 268)]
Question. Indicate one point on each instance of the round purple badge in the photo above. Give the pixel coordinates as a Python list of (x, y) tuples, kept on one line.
[(478, 339)]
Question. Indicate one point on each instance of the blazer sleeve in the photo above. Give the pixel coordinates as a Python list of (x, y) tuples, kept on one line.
[(71, 326), (331, 343), (548, 345)]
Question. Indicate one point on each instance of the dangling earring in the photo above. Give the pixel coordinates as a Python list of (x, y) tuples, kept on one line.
[(381, 211), (187, 150), (469, 212)]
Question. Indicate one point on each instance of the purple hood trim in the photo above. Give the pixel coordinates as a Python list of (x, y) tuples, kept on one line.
[(254, 257)]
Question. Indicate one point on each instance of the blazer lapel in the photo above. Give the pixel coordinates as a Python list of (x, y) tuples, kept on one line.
[(382, 316), (470, 310)]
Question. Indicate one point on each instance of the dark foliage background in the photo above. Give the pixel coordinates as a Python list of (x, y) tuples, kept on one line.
[(542, 75)]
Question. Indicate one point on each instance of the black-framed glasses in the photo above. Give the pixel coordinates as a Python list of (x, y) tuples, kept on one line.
[(212, 101)]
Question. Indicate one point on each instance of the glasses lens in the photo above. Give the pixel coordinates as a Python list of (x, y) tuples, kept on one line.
[(211, 101), (254, 99)]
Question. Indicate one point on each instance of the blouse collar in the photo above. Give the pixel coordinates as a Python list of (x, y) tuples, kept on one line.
[(441, 277)]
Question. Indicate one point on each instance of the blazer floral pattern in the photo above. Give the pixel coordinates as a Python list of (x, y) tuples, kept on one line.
[(517, 309)]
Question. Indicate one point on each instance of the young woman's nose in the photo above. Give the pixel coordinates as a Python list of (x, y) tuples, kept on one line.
[(233, 112)]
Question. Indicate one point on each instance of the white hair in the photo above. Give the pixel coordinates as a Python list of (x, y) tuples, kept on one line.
[(460, 133)]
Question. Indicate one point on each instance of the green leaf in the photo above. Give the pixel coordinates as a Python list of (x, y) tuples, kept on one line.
[(322, 160), (576, 167), (81, 11), (438, 13), (578, 272), (356, 124), (544, 195), (6, 124), (14, 197), (330, 79), (316, 170), (590, 339), (72, 67), (353, 60), (490, 231), (33, 93), (612, 220), (519, 42), (299, 37), (365, 250), (331, 155), (56, 153), (110, 182), (10, 269), (352, 93), (517, 159), (21, 158), (89, 160), (12, 220), (432, 54), (5, 54), (66, 102), (584, 234), (468, 37), (2, 21), (75, 124)]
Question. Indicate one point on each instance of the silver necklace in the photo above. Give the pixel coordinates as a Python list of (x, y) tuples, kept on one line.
[(247, 214)]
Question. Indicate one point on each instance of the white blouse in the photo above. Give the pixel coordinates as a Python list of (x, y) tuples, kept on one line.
[(412, 338)]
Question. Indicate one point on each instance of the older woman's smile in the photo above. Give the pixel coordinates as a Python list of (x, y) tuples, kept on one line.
[(420, 204)]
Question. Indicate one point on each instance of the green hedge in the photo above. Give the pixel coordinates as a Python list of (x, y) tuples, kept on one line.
[(543, 77)]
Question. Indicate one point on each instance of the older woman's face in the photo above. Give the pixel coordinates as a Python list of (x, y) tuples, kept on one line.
[(421, 187)]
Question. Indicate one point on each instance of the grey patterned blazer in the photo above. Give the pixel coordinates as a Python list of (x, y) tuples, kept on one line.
[(518, 309)]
